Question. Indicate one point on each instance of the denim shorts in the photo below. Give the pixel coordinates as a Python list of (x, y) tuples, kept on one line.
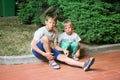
[(40, 46)]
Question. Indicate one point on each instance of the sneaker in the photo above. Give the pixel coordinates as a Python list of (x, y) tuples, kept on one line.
[(54, 65), (88, 63)]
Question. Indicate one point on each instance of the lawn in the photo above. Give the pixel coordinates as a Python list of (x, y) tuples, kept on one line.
[(15, 38)]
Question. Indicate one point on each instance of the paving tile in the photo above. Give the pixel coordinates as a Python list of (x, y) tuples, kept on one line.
[(106, 67)]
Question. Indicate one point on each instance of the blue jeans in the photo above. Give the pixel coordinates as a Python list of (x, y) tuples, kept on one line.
[(40, 46)]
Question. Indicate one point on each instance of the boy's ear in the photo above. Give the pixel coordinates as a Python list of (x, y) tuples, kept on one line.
[(72, 26)]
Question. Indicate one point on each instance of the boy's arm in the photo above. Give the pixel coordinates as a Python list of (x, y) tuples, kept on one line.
[(56, 46), (78, 50)]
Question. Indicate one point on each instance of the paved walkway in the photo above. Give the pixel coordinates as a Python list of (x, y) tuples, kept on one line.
[(106, 67)]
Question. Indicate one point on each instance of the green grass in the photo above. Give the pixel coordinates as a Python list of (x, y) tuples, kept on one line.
[(15, 38)]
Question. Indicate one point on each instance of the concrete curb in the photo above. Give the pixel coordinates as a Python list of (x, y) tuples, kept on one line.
[(31, 58), (99, 49), (18, 59)]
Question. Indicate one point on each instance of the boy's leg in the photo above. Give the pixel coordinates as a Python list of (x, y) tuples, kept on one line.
[(85, 65), (39, 56), (44, 46), (68, 60), (73, 48), (64, 45)]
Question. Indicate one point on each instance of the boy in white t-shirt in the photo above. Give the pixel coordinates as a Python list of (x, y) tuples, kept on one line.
[(41, 46), (70, 40)]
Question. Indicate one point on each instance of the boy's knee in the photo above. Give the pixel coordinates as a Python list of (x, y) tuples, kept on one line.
[(44, 39), (64, 45), (74, 44)]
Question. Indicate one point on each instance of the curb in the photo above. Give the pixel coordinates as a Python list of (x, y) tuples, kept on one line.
[(87, 50), (18, 59), (100, 49)]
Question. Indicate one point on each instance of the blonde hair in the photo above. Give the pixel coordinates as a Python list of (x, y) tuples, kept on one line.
[(66, 22)]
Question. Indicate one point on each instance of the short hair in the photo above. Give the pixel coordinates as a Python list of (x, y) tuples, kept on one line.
[(66, 22), (53, 16)]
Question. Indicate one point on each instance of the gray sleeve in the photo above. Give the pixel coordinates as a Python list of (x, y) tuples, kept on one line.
[(78, 38), (38, 34)]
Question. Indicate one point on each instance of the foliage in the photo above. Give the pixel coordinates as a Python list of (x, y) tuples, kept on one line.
[(59, 26), (93, 21), (115, 5), (29, 12)]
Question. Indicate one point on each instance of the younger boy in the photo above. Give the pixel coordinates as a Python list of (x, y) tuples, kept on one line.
[(70, 40), (41, 46)]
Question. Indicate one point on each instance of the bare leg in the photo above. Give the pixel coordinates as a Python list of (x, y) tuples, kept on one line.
[(69, 61), (46, 44), (85, 65)]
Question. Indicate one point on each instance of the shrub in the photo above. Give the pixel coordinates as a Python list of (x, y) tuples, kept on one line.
[(93, 21), (29, 12)]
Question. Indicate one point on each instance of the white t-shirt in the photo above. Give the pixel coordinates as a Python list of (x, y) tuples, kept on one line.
[(63, 37), (43, 31)]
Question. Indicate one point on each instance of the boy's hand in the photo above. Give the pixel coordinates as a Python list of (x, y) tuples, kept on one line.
[(66, 52), (49, 56)]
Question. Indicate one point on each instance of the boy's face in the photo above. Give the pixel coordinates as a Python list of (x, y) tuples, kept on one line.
[(68, 29), (50, 24)]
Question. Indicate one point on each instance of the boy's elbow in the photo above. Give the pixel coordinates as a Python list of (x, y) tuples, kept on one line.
[(32, 46)]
